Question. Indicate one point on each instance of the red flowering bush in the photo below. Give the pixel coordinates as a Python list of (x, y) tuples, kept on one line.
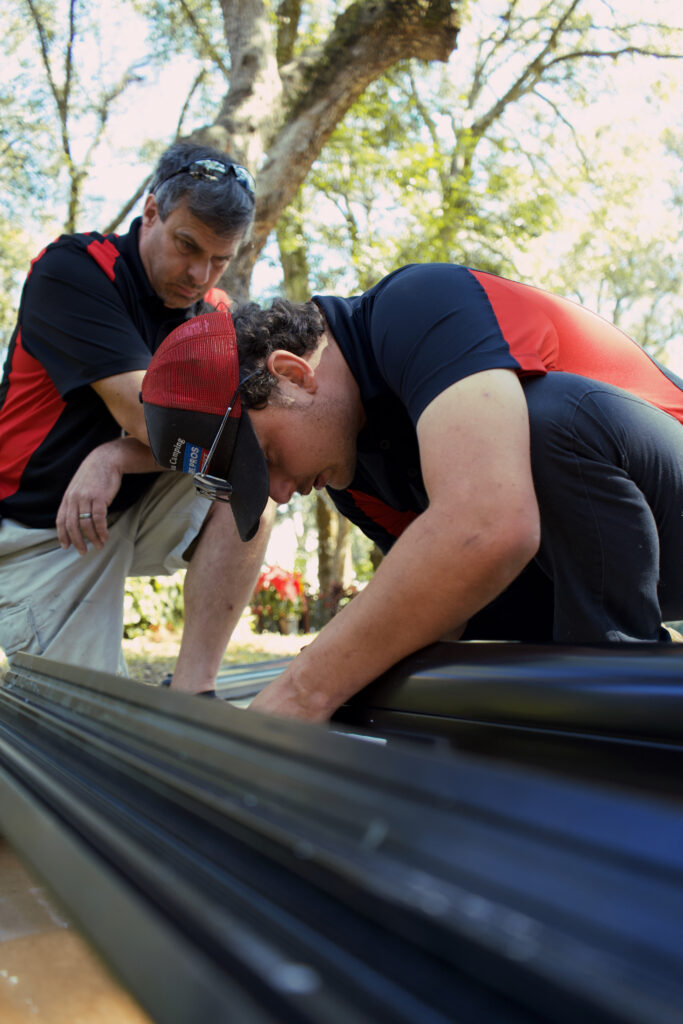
[(278, 594)]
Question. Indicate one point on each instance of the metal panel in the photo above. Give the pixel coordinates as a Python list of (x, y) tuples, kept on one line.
[(612, 713)]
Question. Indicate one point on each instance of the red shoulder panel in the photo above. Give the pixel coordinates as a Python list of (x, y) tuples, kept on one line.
[(569, 337), (31, 408), (105, 254), (218, 298), (393, 521)]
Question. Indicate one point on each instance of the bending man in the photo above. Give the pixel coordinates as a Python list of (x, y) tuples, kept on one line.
[(519, 459)]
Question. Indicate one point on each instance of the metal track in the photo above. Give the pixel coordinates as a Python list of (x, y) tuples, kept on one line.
[(232, 867), (612, 713)]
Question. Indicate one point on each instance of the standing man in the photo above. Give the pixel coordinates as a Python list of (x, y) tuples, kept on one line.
[(518, 458), (82, 504)]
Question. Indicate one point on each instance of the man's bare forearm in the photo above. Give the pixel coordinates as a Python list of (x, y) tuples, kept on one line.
[(127, 455), (423, 588)]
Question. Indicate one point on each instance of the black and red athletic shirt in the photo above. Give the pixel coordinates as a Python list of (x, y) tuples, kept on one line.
[(88, 311), (426, 326)]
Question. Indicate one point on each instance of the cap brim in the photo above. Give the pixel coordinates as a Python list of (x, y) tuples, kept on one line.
[(178, 437), (248, 475)]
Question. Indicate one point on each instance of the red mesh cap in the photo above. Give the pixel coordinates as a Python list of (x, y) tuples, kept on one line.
[(196, 367), (188, 386)]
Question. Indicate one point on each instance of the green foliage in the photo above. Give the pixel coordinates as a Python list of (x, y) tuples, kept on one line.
[(66, 67), (620, 253), (472, 162), (16, 246), (27, 139), (151, 602), (190, 27), (361, 555), (325, 606)]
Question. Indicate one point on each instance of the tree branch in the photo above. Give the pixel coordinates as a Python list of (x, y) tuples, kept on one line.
[(188, 99), (116, 221), (643, 51), (565, 121), (531, 74), (103, 110), (44, 51), (207, 45), (366, 40), (288, 17)]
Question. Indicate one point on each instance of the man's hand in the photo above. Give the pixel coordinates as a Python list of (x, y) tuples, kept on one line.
[(82, 515), (288, 696)]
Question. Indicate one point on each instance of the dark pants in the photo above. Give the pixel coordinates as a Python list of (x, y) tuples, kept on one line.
[(608, 473)]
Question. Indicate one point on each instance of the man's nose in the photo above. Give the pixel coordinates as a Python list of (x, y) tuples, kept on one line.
[(199, 270), (281, 489)]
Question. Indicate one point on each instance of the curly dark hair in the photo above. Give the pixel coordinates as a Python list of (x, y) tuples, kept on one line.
[(294, 326)]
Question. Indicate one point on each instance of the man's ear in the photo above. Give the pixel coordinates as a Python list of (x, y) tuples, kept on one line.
[(287, 365), (150, 210)]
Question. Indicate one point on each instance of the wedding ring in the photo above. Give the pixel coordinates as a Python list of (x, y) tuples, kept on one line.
[(85, 515)]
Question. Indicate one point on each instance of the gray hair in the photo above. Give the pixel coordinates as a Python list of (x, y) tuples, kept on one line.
[(225, 206)]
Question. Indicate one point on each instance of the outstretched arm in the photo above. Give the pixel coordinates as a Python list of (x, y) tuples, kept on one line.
[(479, 531)]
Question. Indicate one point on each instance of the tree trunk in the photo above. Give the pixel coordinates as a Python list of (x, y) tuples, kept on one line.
[(293, 254), (334, 556), (342, 566), (277, 118), (326, 543)]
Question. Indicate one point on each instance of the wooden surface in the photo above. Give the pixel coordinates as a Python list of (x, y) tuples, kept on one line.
[(48, 974)]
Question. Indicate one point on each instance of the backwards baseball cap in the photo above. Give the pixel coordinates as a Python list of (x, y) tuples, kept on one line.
[(195, 419)]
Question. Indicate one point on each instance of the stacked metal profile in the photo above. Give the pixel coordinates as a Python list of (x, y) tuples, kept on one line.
[(233, 867), (610, 713)]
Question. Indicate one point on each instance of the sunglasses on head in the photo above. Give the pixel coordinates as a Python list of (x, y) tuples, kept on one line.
[(214, 170), (215, 488)]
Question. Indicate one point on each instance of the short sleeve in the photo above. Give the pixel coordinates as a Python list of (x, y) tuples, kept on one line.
[(75, 322), (430, 326)]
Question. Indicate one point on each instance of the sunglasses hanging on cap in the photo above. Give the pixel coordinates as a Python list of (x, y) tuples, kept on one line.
[(214, 487), (214, 170)]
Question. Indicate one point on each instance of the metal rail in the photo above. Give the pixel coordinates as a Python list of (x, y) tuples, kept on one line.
[(232, 867), (610, 713)]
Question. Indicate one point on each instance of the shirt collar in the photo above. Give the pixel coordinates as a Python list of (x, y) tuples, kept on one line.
[(130, 249)]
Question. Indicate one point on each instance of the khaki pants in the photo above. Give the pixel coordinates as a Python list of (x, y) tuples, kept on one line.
[(69, 607)]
